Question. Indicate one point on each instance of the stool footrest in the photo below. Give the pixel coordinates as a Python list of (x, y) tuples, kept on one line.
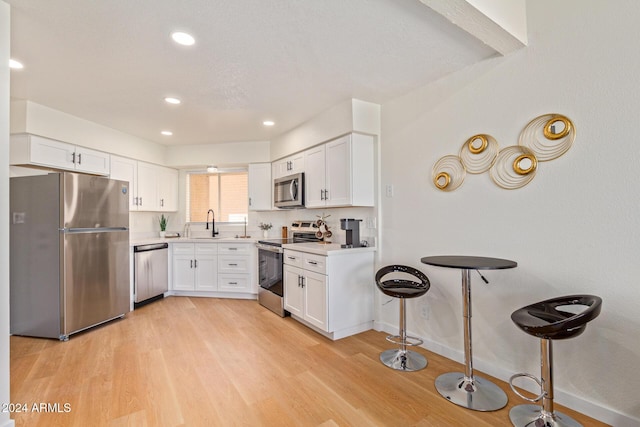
[(409, 341), (534, 378)]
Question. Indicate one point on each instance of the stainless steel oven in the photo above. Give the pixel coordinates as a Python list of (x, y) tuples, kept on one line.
[(270, 253), (271, 290)]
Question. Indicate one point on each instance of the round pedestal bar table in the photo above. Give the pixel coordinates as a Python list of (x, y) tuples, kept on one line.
[(464, 389)]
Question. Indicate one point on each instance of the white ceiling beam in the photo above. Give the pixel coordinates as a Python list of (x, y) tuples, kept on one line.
[(500, 24)]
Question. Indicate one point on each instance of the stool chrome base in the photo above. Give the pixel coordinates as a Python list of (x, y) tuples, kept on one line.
[(475, 393), (534, 416), (406, 360)]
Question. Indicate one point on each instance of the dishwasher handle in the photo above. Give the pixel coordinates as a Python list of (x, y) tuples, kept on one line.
[(151, 247)]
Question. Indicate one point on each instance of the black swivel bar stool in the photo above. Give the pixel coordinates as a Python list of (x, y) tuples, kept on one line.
[(403, 288), (552, 319)]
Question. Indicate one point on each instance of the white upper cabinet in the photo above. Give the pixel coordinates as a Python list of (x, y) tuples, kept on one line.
[(314, 177), (151, 187), (260, 187), (340, 173), (34, 150), (288, 166), (147, 187), (167, 189), (125, 169)]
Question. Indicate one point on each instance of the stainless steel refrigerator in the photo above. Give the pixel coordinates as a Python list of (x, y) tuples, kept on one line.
[(69, 253)]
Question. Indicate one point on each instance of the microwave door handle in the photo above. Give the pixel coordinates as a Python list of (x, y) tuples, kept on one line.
[(293, 189)]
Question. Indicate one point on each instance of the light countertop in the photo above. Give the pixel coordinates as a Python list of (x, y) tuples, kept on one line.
[(326, 249), (314, 248), (151, 240)]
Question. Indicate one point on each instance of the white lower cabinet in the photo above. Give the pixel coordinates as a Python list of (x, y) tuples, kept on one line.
[(213, 269), (332, 294), (306, 295), (195, 267)]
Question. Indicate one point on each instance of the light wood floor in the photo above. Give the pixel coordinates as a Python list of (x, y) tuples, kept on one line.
[(213, 362)]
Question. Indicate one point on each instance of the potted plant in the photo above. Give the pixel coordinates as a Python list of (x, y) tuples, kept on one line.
[(163, 221), (265, 227)]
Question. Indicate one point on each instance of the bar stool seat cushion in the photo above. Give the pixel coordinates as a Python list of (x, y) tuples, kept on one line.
[(402, 288), (547, 319)]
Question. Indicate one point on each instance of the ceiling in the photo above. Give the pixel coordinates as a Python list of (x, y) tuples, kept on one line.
[(113, 62)]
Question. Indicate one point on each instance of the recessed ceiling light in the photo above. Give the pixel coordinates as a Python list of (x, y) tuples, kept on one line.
[(15, 64), (212, 169), (167, 132), (183, 38), (268, 123), (172, 100)]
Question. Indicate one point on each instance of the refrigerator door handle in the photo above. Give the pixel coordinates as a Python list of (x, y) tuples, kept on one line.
[(93, 230)]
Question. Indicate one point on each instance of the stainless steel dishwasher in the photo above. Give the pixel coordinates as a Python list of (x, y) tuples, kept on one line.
[(151, 271)]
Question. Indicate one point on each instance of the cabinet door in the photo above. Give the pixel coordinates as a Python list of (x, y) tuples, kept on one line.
[(52, 153), (296, 163), (125, 169), (206, 270), (315, 299), (147, 187), (293, 292), (260, 186), (338, 172), (314, 177), (91, 161), (183, 272), (280, 168), (167, 182)]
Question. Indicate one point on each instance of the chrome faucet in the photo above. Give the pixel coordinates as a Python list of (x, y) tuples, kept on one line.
[(213, 222)]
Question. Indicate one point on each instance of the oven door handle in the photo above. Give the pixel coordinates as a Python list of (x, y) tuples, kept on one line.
[(275, 249)]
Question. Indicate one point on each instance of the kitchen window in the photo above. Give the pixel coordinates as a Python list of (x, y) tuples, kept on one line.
[(226, 192)]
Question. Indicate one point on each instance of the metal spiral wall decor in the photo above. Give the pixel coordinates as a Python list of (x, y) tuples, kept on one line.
[(448, 173), (479, 153), (548, 136), (544, 138)]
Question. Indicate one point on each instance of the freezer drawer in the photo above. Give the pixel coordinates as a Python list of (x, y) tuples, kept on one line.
[(95, 278), (151, 271)]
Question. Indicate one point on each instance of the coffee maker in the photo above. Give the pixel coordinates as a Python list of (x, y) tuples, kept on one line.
[(352, 229)]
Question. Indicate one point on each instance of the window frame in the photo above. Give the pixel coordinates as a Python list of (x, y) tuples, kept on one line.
[(221, 171)]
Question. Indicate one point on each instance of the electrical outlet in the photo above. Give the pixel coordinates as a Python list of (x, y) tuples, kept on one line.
[(424, 311), (371, 222), (389, 190)]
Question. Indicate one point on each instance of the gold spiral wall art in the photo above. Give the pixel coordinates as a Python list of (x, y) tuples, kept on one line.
[(548, 136), (478, 153), (448, 173), (544, 138)]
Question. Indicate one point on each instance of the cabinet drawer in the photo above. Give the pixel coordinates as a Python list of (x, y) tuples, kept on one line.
[(233, 283), (234, 248), (182, 248), (233, 264), (317, 263), (206, 248), (293, 258)]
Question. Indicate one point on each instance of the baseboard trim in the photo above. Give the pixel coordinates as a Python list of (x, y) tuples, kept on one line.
[(591, 409)]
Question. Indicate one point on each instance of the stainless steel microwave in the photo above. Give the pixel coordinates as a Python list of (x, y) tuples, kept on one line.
[(288, 191)]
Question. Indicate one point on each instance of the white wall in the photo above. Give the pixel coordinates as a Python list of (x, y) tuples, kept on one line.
[(4, 210), (352, 115), (221, 154), (574, 229), (40, 120)]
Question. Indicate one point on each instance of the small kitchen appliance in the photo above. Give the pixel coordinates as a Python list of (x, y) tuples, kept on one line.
[(352, 229), (288, 191)]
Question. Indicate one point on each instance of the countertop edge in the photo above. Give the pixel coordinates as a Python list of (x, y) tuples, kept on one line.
[(326, 249)]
